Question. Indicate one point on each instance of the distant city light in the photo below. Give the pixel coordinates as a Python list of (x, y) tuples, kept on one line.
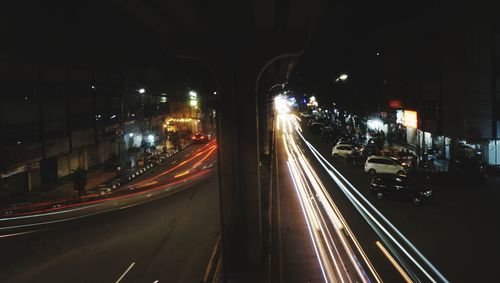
[(181, 120), (142, 91), (374, 124), (193, 103), (193, 94), (19, 142), (312, 102), (215, 93), (163, 99), (378, 53), (151, 138), (112, 116), (26, 98), (131, 134), (342, 77)]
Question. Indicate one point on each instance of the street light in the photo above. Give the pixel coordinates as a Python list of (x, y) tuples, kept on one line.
[(142, 91), (342, 77)]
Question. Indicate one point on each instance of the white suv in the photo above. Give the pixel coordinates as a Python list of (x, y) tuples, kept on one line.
[(342, 150), (383, 164)]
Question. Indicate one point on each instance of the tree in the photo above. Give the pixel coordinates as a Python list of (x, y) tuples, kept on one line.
[(79, 178)]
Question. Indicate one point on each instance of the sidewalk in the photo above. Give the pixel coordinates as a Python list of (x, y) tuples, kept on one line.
[(64, 188)]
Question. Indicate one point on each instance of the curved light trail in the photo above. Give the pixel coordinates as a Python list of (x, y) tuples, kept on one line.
[(340, 255)]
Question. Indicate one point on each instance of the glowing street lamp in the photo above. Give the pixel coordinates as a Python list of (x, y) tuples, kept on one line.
[(342, 77), (141, 90)]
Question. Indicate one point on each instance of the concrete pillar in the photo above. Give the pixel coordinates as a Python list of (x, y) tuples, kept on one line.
[(239, 171)]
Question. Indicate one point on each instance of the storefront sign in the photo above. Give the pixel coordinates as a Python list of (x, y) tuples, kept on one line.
[(410, 119), (395, 103)]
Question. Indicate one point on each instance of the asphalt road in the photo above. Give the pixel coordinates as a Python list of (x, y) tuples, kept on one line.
[(457, 230), (167, 236)]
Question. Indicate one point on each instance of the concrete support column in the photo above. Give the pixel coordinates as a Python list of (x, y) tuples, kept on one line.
[(239, 172), (263, 107)]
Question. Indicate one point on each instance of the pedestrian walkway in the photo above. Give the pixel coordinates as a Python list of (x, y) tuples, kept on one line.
[(64, 188)]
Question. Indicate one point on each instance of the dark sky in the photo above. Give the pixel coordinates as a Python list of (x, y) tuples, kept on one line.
[(93, 33), (348, 40), (349, 37)]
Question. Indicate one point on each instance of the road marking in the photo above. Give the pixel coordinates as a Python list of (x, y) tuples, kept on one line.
[(394, 262), (17, 234), (125, 273), (47, 213), (174, 162)]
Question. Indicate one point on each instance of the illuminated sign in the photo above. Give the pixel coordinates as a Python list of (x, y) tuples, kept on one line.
[(410, 119), (399, 116), (395, 103)]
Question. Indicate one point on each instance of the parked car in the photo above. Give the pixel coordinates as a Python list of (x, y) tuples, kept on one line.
[(416, 189), (377, 142), (305, 115), (316, 128), (344, 142), (342, 150), (383, 164), (359, 155), (327, 133), (103, 189), (201, 138), (469, 169)]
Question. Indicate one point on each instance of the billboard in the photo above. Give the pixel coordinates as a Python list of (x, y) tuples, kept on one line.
[(410, 119)]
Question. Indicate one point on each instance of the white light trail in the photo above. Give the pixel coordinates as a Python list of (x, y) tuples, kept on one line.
[(339, 254), (337, 177)]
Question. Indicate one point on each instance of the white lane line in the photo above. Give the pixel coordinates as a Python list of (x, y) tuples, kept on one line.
[(17, 234), (125, 273), (48, 213)]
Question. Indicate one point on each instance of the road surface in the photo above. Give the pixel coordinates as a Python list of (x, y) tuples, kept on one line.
[(167, 236), (353, 241)]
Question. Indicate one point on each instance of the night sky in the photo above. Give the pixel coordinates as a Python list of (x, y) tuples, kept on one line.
[(348, 40)]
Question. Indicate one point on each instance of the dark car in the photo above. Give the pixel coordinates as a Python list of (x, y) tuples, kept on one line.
[(316, 128), (377, 142), (201, 138), (469, 169), (414, 188), (328, 133)]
